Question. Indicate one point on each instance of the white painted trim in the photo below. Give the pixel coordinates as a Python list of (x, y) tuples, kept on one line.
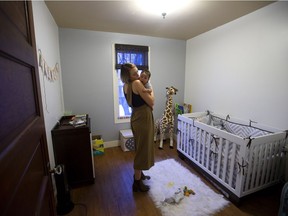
[(115, 80), (116, 143), (111, 144)]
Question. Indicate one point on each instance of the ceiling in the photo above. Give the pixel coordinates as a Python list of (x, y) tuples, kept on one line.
[(197, 17)]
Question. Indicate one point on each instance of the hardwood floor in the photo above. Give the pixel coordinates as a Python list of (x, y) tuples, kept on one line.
[(112, 192)]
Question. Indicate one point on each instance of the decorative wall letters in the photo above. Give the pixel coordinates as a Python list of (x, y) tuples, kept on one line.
[(52, 74)]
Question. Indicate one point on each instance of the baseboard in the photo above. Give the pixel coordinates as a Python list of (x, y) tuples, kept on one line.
[(111, 144), (116, 143)]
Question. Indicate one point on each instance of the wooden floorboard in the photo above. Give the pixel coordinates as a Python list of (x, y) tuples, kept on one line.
[(112, 194)]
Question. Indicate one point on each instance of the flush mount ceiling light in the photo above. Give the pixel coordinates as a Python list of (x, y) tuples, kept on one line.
[(162, 7)]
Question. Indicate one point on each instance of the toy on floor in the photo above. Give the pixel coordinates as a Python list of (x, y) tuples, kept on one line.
[(187, 191), (170, 184), (175, 199), (178, 195)]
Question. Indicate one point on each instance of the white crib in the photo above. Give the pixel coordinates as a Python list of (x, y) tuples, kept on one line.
[(240, 157)]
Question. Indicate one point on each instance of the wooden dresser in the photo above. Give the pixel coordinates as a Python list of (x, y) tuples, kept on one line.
[(73, 148)]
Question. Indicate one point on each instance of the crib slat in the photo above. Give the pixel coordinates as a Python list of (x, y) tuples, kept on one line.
[(273, 152), (193, 141), (208, 153), (282, 159), (259, 165), (256, 162), (197, 141), (269, 164), (265, 152), (219, 156), (254, 169), (194, 134), (241, 179), (189, 139), (206, 156), (186, 138), (225, 159), (232, 156), (212, 151), (278, 163), (198, 135), (180, 134), (201, 144), (274, 163), (182, 131), (199, 138), (190, 143), (203, 151), (186, 141), (249, 171)]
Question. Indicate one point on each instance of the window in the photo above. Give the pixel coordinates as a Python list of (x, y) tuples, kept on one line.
[(124, 53)]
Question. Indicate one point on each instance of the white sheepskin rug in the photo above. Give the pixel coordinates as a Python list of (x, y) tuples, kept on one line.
[(167, 177)]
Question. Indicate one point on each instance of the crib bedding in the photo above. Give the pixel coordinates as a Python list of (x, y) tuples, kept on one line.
[(244, 131), (241, 157)]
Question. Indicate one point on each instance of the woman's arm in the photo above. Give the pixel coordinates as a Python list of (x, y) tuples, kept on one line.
[(138, 88)]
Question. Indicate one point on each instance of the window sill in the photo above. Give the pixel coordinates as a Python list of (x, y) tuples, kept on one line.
[(126, 120)]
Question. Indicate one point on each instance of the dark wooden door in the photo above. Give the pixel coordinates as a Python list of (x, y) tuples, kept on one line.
[(25, 184)]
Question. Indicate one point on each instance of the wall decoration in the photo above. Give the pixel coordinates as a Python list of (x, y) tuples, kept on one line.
[(52, 74)]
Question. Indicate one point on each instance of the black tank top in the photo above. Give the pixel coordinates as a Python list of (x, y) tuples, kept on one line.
[(137, 100)]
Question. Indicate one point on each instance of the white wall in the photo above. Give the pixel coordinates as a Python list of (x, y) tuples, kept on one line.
[(46, 33), (241, 68), (86, 58)]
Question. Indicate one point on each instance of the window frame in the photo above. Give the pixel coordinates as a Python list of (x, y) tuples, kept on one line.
[(115, 77)]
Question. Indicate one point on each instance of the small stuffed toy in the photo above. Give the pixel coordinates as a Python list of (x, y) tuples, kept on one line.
[(187, 191), (176, 198)]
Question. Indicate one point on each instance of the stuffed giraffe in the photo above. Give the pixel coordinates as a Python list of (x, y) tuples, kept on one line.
[(167, 120)]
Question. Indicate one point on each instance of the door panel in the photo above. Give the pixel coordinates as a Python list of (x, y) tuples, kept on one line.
[(31, 182), (17, 96), (25, 183)]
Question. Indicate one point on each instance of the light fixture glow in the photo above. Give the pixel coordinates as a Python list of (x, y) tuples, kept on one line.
[(160, 7)]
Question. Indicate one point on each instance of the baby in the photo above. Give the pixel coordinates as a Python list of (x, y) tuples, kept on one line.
[(145, 79)]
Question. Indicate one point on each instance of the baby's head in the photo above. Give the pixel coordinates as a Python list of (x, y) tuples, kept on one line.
[(145, 76)]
